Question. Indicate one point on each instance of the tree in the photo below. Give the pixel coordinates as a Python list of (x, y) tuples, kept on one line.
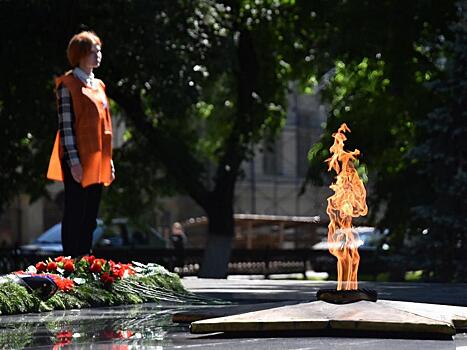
[(27, 114), (379, 89), (199, 82), (441, 156), (226, 95)]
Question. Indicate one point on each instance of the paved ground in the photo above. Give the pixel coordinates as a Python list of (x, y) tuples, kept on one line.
[(245, 290), (150, 326)]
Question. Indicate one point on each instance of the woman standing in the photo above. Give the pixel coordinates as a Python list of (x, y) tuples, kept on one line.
[(82, 154)]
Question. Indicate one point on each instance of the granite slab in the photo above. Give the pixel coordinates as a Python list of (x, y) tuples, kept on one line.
[(360, 317)]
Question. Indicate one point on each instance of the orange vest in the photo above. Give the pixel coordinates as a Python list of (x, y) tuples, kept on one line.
[(93, 130)]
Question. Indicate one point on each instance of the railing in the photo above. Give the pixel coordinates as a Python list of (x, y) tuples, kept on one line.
[(242, 261), (10, 260)]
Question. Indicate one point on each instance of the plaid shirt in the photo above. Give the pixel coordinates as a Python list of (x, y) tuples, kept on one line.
[(66, 119)]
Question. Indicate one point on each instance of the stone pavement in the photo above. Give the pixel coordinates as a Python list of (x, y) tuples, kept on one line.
[(247, 291), (150, 326)]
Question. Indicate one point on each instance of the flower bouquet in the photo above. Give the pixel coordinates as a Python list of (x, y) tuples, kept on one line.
[(66, 283)]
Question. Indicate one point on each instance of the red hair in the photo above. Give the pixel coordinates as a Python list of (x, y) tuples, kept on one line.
[(80, 46)]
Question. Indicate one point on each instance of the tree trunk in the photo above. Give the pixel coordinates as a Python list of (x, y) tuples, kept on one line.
[(219, 240)]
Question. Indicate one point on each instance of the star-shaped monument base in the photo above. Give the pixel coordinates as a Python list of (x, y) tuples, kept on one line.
[(363, 318)]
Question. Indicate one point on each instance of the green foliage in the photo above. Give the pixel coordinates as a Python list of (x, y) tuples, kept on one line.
[(440, 157), (76, 299), (158, 277), (95, 295), (403, 99), (164, 282), (153, 283), (413, 276), (378, 87), (199, 84), (358, 95), (27, 111), (135, 194), (15, 299), (17, 338)]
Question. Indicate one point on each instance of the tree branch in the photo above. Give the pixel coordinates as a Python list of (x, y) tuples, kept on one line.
[(169, 150)]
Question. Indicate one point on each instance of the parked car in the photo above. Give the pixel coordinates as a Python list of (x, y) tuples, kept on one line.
[(119, 234), (369, 239)]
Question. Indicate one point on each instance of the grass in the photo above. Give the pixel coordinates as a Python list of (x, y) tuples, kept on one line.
[(414, 276)]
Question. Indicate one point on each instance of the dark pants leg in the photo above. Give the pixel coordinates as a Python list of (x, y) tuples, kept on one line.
[(79, 218)]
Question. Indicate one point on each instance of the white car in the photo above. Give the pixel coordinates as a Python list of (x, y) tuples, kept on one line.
[(119, 234), (367, 238)]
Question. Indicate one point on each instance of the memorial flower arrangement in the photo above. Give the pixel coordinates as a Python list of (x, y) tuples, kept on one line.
[(88, 268), (65, 283)]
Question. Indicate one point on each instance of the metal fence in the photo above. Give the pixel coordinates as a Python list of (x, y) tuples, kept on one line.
[(242, 261)]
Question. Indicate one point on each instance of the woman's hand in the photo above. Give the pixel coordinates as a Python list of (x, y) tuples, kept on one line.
[(77, 172)]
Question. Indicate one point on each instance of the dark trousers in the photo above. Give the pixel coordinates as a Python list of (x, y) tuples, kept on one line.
[(79, 218)]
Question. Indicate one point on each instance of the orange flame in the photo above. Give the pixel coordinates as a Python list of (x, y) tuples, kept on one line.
[(347, 202)]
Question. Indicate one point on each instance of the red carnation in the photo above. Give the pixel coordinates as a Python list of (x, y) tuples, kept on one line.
[(121, 270), (52, 266), (69, 266), (106, 278), (88, 258), (96, 266), (59, 258), (64, 284), (41, 266)]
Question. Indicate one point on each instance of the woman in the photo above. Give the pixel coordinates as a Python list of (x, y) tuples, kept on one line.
[(82, 154)]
